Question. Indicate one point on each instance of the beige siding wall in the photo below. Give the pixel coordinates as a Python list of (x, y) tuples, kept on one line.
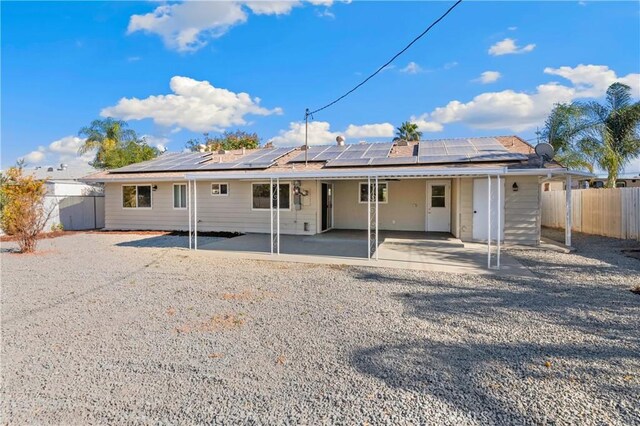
[(405, 210), (231, 213), (521, 210)]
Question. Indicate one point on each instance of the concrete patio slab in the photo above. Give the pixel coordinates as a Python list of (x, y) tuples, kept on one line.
[(402, 250)]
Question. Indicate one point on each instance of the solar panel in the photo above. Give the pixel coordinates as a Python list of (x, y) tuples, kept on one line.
[(393, 161), (316, 151), (349, 162), (351, 154), (499, 156), (467, 149), (436, 159)]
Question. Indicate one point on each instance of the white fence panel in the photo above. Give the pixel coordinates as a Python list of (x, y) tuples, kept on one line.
[(611, 212), (76, 212)]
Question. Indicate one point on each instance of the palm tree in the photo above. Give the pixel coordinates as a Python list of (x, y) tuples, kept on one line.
[(408, 131), (564, 129), (613, 139), (104, 136)]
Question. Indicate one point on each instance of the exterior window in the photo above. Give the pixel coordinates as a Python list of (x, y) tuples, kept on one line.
[(136, 196), (383, 192), (438, 196), (179, 196), (261, 196), (219, 189)]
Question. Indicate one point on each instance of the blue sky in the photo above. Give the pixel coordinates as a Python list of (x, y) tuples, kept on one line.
[(174, 70)]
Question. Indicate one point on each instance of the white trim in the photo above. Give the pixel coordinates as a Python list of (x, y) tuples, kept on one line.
[(271, 202), (219, 188), (365, 202), (173, 194), (150, 185), (355, 174)]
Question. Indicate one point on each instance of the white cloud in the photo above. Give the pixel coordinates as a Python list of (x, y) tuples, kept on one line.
[(512, 28), (189, 25), (271, 7), (194, 105), (182, 25), (593, 80), (380, 130), (412, 68), (424, 125), (488, 77), (320, 133), (34, 157), (508, 46), (64, 150), (519, 111)]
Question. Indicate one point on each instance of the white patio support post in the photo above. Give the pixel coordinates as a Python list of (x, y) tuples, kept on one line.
[(568, 220), (369, 217), (278, 214), (488, 221), (189, 209), (499, 207), (195, 214), (375, 192), (271, 213)]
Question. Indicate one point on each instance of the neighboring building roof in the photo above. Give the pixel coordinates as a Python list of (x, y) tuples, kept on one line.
[(61, 172), (516, 154)]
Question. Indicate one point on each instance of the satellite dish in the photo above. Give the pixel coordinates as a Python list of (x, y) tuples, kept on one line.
[(545, 151)]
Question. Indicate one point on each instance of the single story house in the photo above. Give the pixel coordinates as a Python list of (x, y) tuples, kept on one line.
[(483, 189)]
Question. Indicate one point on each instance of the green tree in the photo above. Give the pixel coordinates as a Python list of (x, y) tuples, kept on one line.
[(227, 141), (408, 131), (115, 144), (564, 130), (612, 139)]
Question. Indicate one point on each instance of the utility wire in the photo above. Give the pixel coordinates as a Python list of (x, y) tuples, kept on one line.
[(433, 24)]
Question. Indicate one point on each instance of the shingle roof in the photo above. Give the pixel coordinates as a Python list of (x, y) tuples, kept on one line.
[(283, 165)]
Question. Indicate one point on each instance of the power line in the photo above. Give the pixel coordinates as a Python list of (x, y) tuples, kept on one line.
[(433, 24)]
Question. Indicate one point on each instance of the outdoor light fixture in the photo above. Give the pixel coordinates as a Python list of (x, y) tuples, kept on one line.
[(514, 187), (154, 187)]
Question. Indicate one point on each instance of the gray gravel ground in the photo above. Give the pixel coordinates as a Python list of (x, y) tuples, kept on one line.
[(118, 329)]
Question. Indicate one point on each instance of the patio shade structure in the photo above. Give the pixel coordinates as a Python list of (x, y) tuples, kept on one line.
[(372, 177)]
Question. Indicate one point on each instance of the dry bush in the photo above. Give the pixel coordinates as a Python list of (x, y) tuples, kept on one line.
[(23, 210)]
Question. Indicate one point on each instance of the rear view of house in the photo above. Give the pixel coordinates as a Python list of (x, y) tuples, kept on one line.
[(477, 189)]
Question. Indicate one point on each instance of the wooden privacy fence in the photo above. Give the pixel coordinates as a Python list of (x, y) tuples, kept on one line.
[(612, 212)]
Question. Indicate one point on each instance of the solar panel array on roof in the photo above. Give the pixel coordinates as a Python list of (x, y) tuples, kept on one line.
[(464, 151), (259, 159)]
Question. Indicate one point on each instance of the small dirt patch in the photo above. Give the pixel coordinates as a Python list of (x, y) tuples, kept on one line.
[(214, 324), (246, 295)]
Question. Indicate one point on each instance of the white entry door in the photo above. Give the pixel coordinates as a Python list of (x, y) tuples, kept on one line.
[(481, 204), (438, 206)]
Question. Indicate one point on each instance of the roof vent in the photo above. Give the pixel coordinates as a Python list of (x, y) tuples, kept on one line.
[(222, 151), (63, 166), (402, 142), (268, 145), (50, 169), (340, 140)]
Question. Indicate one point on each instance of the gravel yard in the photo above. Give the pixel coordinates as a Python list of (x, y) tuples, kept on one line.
[(116, 328)]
